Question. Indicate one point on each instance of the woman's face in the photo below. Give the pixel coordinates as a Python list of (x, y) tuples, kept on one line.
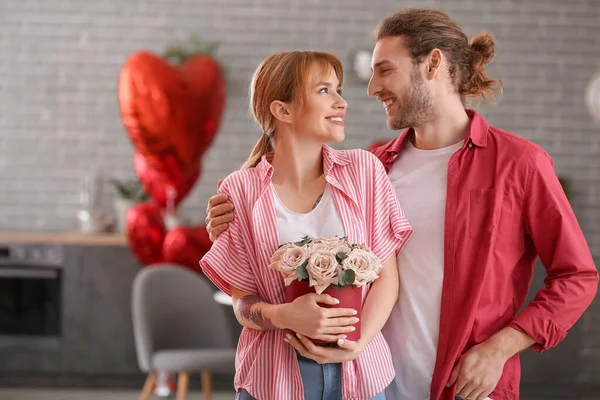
[(324, 109)]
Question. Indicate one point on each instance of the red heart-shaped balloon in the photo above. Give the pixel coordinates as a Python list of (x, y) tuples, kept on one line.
[(171, 111), (163, 175), (146, 233), (186, 246)]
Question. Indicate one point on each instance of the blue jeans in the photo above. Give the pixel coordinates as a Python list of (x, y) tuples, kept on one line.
[(320, 381)]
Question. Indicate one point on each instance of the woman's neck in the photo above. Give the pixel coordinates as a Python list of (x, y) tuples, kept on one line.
[(297, 163)]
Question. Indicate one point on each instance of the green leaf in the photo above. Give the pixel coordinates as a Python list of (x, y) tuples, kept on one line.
[(346, 277), (178, 53), (338, 287), (303, 242), (341, 256), (301, 271), (130, 189)]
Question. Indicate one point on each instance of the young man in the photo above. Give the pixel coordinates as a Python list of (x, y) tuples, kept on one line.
[(483, 203)]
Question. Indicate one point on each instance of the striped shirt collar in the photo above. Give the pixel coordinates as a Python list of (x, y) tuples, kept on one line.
[(331, 157)]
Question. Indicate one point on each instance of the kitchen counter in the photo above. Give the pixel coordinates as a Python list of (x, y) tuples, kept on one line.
[(65, 238)]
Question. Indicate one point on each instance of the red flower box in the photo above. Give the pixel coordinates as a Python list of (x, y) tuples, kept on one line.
[(350, 296)]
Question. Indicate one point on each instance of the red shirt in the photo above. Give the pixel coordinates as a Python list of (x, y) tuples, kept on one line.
[(504, 207), (266, 366)]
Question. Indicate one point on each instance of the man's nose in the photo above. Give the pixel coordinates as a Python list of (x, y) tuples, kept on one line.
[(373, 87)]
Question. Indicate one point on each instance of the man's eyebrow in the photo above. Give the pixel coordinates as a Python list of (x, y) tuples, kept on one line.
[(380, 63)]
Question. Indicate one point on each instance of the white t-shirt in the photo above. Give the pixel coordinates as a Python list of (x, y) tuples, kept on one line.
[(323, 221), (419, 178)]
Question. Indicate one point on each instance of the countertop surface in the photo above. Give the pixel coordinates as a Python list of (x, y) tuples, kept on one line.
[(67, 238)]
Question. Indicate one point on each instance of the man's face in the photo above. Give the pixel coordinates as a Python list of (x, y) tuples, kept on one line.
[(399, 84)]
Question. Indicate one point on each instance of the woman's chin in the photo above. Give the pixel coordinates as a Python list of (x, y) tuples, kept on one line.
[(336, 138)]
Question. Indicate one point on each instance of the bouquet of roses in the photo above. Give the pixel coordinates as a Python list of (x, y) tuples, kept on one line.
[(325, 262), (331, 265)]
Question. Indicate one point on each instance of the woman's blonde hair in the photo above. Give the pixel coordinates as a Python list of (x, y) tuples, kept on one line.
[(282, 77)]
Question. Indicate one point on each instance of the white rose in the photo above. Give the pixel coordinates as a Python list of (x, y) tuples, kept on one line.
[(287, 259), (332, 241), (341, 248), (364, 264), (322, 269), (333, 244)]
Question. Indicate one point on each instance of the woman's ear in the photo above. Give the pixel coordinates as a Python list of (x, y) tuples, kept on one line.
[(281, 111)]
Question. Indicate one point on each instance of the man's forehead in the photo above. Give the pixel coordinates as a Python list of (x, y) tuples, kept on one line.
[(388, 50)]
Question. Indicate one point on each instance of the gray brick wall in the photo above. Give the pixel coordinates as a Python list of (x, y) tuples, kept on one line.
[(60, 59)]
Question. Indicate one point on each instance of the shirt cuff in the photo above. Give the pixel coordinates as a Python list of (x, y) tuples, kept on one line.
[(540, 326)]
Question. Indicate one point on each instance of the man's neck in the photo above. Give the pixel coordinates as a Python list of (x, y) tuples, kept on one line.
[(450, 127)]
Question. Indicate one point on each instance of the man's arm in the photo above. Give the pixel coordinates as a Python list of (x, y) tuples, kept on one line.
[(571, 284), (571, 276)]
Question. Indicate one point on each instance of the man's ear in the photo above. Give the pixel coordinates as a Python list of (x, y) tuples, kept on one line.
[(281, 111), (434, 63)]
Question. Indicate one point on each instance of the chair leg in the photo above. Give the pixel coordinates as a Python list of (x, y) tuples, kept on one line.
[(148, 386), (182, 385), (207, 384)]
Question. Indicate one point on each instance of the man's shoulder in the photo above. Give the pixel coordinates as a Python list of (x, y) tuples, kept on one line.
[(512, 146)]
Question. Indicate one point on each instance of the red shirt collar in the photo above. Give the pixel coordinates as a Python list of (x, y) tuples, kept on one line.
[(477, 134)]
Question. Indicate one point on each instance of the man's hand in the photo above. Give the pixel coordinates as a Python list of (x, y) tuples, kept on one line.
[(347, 350), (219, 213), (477, 372)]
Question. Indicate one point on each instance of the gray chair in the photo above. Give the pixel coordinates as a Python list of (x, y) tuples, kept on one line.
[(179, 328)]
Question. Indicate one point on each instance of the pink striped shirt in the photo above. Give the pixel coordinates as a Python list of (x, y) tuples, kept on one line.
[(266, 366)]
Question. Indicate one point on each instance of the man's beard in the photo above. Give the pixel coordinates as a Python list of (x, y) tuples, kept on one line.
[(417, 107)]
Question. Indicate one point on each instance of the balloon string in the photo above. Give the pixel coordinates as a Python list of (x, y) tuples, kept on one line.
[(171, 194)]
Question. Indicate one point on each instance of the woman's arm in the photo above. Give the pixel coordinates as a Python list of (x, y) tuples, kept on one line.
[(379, 302), (304, 315), (375, 312)]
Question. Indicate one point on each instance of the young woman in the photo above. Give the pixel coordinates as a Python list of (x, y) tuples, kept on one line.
[(302, 187)]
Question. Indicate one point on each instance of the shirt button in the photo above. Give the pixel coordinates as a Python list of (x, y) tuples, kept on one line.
[(470, 145)]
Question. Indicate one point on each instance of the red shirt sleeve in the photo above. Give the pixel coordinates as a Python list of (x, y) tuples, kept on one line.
[(572, 277)]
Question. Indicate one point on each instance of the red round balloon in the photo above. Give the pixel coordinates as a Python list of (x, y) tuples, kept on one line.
[(146, 233), (158, 182), (186, 246)]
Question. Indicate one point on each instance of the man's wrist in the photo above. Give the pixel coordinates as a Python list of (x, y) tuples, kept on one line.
[(508, 342)]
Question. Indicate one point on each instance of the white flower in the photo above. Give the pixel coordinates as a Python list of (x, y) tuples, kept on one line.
[(322, 269), (365, 265), (333, 244), (287, 259), (330, 242)]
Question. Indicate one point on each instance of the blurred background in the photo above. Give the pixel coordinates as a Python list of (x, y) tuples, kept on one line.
[(63, 141)]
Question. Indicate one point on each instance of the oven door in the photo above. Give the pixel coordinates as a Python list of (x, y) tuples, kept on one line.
[(30, 307)]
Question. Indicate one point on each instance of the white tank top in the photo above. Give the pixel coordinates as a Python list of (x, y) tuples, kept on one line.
[(323, 221)]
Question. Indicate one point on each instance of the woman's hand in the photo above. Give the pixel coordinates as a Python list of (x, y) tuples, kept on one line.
[(347, 350), (305, 316)]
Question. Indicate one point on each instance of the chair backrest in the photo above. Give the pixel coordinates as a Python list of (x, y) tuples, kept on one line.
[(174, 308)]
